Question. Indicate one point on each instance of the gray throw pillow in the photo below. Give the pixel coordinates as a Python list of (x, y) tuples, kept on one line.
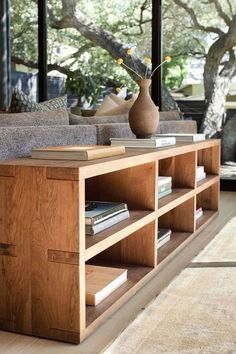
[(20, 102)]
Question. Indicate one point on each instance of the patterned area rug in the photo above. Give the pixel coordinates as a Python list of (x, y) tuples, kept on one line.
[(196, 313)]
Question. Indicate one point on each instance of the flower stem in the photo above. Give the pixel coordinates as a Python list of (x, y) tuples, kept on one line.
[(132, 70), (157, 68)]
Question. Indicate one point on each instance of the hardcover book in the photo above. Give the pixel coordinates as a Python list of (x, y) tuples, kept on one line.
[(201, 176), (97, 211), (77, 152), (153, 142), (103, 225), (102, 281), (184, 137), (164, 187), (165, 193), (163, 237)]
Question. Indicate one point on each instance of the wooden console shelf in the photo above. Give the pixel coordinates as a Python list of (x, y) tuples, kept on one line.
[(43, 247)]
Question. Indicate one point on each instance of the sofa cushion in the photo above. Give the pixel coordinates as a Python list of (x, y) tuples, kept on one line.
[(20, 102), (170, 115), (19, 141), (107, 131), (51, 117), (181, 126), (114, 105), (75, 119)]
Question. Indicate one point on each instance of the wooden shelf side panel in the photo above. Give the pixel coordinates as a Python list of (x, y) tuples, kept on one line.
[(181, 168), (180, 218), (134, 186), (43, 224), (138, 248)]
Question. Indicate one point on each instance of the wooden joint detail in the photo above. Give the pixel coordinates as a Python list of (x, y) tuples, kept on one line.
[(7, 249), (65, 335), (69, 174), (7, 171), (63, 257)]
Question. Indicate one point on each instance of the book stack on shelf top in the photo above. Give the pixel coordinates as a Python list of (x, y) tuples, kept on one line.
[(101, 215), (164, 186), (101, 282), (163, 237), (184, 137), (153, 142), (200, 173)]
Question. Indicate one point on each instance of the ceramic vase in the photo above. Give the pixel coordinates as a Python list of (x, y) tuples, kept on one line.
[(144, 114)]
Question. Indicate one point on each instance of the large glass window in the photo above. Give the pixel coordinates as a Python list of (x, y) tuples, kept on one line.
[(82, 48), (23, 45)]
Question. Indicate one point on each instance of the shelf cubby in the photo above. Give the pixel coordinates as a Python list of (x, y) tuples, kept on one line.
[(208, 200), (180, 220), (209, 157)]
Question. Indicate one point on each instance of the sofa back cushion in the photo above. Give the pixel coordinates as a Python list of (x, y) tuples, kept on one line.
[(19, 141), (53, 117), (75, 119)]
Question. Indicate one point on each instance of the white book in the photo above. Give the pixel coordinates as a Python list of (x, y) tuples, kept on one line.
[(163, 241), (91, 230), (153, 142), (201, 176), (184, 137), (200, 170), (199, 213), (162, 180)]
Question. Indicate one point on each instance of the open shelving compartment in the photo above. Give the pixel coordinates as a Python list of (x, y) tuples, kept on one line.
[(182, 170), (130, 244), (208, 200), (209, 158), (180, 220)]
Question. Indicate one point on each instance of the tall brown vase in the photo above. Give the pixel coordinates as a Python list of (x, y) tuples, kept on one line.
[(144, 115)]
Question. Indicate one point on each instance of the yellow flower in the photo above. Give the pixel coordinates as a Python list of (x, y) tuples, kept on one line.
[(118, 89), (147, 60), (129, 51), (119, 61), (167, 59)]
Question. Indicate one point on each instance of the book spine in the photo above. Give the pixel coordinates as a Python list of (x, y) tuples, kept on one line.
[(163, 194), (164, 187)]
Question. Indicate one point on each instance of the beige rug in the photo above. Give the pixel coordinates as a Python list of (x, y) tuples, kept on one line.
[(196, 313)]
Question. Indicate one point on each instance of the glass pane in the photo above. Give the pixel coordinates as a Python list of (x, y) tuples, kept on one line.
[(23, 45), (82, 53)]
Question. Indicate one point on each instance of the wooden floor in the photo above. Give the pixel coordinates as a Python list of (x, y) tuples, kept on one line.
[(11, 343)]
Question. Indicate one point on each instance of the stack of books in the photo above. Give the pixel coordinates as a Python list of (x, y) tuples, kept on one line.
[(184, 137), (200, 173), (164, 186), (101, 215), (198, 213), (154, 142), (101, 282), (163, 237)]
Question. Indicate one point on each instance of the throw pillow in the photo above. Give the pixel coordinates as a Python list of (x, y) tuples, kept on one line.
[(119, 109), (107, 104), (55, 103), (20, 102)]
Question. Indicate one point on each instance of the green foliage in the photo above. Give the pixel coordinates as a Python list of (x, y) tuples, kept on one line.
[(175, 72)]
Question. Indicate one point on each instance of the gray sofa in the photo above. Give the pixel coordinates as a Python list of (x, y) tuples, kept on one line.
[(20, 132)]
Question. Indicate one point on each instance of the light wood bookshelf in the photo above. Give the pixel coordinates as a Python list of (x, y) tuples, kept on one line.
[(43, 247)]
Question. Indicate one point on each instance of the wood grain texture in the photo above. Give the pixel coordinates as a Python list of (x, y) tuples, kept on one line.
[(43, 248)]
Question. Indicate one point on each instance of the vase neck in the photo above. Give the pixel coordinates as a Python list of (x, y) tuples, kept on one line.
[(144, 85)]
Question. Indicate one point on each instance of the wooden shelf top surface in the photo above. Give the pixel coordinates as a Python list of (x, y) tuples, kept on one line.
[(76, 170)]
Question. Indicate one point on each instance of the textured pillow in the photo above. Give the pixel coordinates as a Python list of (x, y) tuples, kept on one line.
[(107, 104), (50, 117), (119, 109), (79, 120), (20, 102), (170, 115), (55, 103)]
